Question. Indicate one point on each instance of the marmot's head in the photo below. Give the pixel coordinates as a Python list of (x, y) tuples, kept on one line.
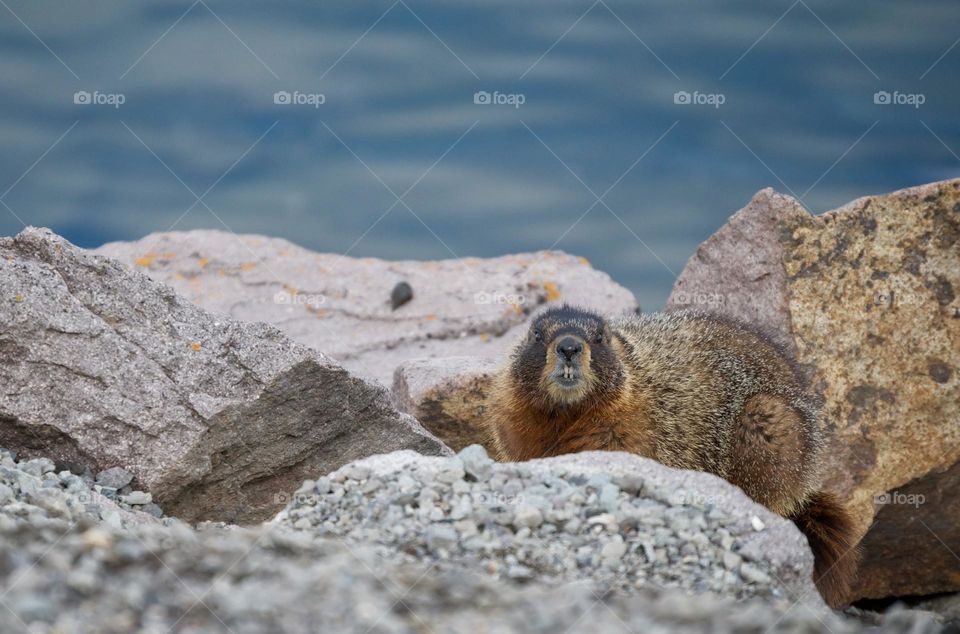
[(569, 357)]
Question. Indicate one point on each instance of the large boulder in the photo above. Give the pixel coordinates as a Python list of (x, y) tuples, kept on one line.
[(866, 297), (103, 367), (342, 305), (448, 395)]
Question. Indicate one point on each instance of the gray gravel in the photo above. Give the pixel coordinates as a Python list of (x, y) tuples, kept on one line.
[(513, 521), (64, 570), (35, 490)]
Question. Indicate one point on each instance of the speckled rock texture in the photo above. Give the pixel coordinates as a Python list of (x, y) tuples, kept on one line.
[(448, 396), (866, 296), (342, 305), (102, 367)]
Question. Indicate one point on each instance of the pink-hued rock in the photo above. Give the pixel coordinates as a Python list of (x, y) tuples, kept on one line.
[(341, 305)]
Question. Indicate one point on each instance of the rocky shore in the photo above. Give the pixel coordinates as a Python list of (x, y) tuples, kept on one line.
[(206, 433)]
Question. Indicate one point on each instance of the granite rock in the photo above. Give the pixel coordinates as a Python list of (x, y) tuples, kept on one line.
[(866, 297), (103, 366)]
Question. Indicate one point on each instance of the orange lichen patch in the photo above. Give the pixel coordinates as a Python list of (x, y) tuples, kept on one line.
[(246, 266), (18, 297), (584, 261), (196, 346), (516, 308), (203, 262), (430, 317), (553, 293), (146, 260), (319, 312), (484, 337), (291, 290), (179, 276)]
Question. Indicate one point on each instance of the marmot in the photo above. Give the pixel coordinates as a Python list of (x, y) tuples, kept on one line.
[(690, 390)]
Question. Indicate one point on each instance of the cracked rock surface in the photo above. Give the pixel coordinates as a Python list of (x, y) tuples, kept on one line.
[(102, 367), (341, 305)]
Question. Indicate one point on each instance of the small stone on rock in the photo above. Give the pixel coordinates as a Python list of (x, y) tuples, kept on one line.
[(400, 295)]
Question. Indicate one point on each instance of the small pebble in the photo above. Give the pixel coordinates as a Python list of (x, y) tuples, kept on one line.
[(442, 537), (753, 574), (528, 517), (613, 550), (137, 498), (114, 477), (476, 463)]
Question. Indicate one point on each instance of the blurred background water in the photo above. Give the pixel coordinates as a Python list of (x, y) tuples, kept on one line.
[(781, 94)]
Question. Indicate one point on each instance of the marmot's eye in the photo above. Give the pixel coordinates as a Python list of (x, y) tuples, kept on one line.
[(537, 335), (598, 338)]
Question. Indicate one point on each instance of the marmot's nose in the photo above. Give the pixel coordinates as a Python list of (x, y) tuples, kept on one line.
[(569, 348)]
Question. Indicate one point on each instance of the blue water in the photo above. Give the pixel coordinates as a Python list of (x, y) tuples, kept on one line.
[(197, 81)]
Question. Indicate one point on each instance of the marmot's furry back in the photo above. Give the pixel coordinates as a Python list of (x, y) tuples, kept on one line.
[(690, 391)]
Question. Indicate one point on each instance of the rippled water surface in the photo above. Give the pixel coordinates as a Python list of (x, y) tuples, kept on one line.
[(582, 147)]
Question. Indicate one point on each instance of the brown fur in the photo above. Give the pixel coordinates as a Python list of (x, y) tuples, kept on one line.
[(688, 390), (829, 529)]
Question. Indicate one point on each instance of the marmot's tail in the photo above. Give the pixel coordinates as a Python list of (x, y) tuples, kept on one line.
[(829, 529)]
